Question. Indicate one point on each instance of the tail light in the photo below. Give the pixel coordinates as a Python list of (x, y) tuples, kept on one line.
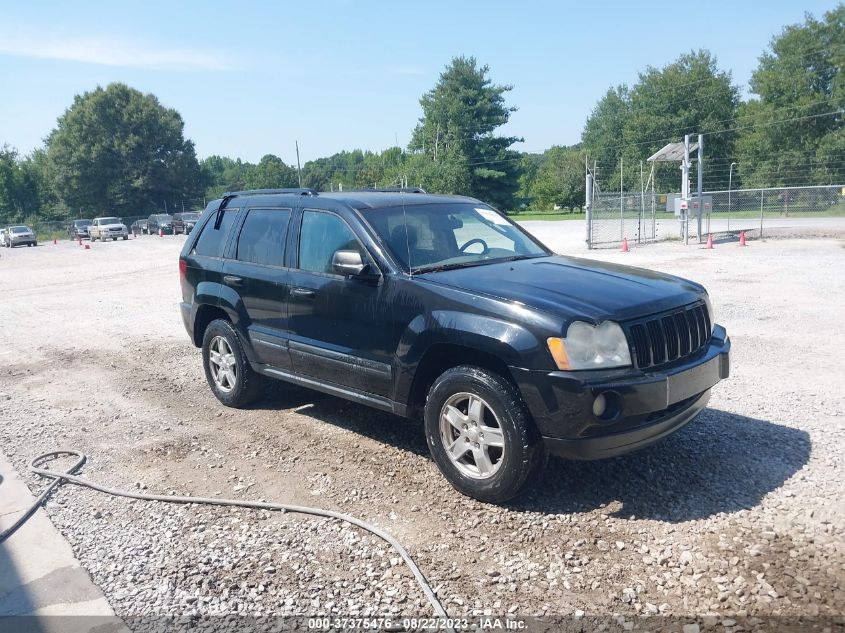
[(183, 268)]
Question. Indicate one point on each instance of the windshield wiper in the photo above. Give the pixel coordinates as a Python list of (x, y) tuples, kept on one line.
[(442, 267), (475, 262)]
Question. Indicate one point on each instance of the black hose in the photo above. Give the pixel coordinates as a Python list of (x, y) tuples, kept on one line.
[(69, 476)]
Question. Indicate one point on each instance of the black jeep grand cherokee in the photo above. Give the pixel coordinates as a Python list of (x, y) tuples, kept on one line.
[(412, 302)]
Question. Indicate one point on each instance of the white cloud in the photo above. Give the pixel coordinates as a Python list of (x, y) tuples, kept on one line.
[(114, 52)]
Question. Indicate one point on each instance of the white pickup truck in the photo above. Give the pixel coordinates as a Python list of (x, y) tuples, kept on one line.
[(107, 228)]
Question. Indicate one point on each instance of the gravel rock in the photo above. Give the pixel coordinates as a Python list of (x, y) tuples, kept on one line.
[(736, 516)]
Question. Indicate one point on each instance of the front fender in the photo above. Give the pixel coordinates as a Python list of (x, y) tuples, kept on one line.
[(509, 342)]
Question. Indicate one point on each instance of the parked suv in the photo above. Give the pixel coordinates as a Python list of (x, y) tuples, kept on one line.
[(78, 229), (184, 222), (18, 236), (409, 302), (160, 222), (107, 228)]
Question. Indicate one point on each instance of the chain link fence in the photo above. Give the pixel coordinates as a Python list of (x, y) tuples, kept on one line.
[(647, 217), (615, 217)]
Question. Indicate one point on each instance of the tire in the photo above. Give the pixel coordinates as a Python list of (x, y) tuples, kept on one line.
[(125, 237), (248, 385), (522, 456)]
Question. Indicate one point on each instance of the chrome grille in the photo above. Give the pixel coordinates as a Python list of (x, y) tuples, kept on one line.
[(665, 338)]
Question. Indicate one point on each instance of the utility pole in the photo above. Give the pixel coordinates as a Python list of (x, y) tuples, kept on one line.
[(621, 202), (685, 191), (298, 168), (588, 205), (642, 204), (700, 184), (730, 183)]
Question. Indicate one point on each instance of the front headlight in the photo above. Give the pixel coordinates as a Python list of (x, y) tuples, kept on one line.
[(588, 346)]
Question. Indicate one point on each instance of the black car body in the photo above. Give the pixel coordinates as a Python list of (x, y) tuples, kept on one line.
[(139, 227), (184, 222), (160, 223), (78, 229), (390, 323)]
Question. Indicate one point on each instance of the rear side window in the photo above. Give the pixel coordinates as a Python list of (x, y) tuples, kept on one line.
[(212, 241), (262, 238), (321, 235)]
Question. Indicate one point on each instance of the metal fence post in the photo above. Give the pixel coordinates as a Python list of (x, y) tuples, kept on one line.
[(588, 207), (761, 213)]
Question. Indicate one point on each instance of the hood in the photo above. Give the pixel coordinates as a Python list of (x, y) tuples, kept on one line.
[(575, 288)]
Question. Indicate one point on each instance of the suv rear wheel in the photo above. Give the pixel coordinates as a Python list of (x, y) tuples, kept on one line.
[(481, 435), (227, 369)]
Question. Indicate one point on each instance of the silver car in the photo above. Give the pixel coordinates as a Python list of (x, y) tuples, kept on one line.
[(19, 235), (107, 228)]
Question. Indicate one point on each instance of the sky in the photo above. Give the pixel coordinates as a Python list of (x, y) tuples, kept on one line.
[(252, 78)]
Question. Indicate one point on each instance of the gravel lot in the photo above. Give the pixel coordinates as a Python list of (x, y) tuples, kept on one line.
[(739, 515)]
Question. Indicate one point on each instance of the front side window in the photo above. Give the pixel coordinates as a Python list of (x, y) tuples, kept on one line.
[(321, 235), (428, 237), (262, 238), (212, 240)]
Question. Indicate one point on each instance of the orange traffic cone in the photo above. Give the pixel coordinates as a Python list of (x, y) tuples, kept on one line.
[(54, 241), (709, 241), (80, 241), (625, 245), (161, 232), (742, 238), (87, 247)]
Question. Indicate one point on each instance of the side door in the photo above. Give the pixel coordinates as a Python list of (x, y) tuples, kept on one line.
[(339, 326), (204, 260), (256, 272)]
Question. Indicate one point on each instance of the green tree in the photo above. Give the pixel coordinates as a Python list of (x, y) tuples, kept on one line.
[(25, 193), (221, 174), (689, 96), (456, 136), (270, 173), (560, 180), (118, 151), (788, 136)]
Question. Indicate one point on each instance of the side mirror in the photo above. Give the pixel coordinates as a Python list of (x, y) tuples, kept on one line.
[(347, 263)]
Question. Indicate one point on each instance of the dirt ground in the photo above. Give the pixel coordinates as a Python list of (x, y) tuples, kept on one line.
[(738, 515)]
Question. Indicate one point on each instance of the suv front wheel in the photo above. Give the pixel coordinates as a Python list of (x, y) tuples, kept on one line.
[(227, 369), (481, 435)]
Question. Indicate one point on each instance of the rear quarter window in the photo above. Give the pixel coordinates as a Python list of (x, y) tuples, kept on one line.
[(212, 240)]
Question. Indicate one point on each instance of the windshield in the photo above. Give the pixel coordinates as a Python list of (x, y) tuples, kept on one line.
[(82, 222), (191, 217), (163, 218), (19, 229), (109, 221), (450, 235)]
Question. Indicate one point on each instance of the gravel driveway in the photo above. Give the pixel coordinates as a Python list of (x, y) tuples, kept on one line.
[(736, 517)]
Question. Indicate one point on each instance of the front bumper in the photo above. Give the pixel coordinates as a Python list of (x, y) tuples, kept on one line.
[(649, 405)]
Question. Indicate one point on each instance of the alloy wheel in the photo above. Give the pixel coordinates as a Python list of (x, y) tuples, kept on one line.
[(472, 436), (222, 363)]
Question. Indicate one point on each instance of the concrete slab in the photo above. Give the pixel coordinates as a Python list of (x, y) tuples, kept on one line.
[(43, 587)]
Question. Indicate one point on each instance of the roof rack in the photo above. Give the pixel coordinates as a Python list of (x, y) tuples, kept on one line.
[(302, 191), (390, 190)]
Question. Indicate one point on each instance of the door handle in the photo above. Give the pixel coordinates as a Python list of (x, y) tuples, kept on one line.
[(232, 280), (306, 293)]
